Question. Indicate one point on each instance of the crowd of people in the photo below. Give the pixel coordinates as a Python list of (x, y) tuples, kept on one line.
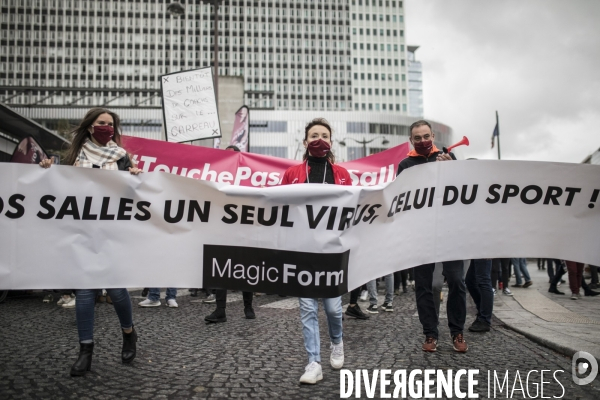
[(97, 144)]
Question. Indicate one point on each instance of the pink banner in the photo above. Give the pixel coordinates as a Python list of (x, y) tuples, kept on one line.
[(247, 169)]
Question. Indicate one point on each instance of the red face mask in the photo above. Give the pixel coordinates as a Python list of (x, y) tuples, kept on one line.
[(319, 148), (103, 133), (423, 147)]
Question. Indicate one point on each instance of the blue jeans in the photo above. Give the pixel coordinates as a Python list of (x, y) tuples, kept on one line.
[(309, 309), (154, 294), (84, 310), (520, 265), (389, 290), (479, 284), (457, 297)]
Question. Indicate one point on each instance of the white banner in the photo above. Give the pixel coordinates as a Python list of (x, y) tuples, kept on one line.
[(189, 105), (71, 227)]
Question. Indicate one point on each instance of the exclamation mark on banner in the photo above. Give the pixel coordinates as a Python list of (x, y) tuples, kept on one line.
[(594, 198)]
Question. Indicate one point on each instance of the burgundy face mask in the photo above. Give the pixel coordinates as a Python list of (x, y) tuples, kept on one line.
[(103, 133), (423, 147), (319, 148)]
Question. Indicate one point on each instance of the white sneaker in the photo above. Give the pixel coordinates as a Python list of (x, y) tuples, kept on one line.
[(364, 295), (507, 292), (63, 300), (210, 299), (171, 303), (494, 290), (337, 355), (312, 373), (574, 296), (149, 303), (70, 303)]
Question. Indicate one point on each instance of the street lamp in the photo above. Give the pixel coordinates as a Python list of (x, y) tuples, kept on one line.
[(364, 143), (176, 9)]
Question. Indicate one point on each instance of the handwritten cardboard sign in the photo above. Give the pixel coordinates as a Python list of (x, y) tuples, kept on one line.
[(189, 105)]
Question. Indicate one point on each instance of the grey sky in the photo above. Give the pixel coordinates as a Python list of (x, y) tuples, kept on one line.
[(537, 62)]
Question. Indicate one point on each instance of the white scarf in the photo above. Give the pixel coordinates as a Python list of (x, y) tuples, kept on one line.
[(105, 157)]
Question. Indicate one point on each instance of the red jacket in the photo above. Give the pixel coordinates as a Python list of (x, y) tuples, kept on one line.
[(297, 174)]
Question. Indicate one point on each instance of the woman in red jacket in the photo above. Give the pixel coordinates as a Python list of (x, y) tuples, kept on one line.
[(319, 167)]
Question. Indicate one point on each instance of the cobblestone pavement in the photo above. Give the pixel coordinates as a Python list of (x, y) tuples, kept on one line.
[(181, 357)]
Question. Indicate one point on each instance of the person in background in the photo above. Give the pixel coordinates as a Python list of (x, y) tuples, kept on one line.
[(389, 295), (97, 144), (153, 299), (220, 295), (479, 284), (501, 266), (594, 284), (520, 265)]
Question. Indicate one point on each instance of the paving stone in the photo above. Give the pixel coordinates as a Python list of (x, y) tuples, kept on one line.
[(181, 357)]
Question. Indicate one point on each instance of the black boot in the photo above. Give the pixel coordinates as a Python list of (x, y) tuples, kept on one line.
[(217, 316), (249, 312), (129, 350), (84, 362), (554, 290)]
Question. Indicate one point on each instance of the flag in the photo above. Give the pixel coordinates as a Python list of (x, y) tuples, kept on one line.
[(241, 127), (496, 133)]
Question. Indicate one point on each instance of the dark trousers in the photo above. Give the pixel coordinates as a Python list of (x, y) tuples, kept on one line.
[(479, 284), (553, 265), (457, 297), (500, 266), (402, 277), (221, 296), (594, 272), (558, 274), (354, 295)]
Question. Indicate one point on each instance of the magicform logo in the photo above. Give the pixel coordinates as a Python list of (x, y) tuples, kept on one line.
[(580, 368), (293, 273)]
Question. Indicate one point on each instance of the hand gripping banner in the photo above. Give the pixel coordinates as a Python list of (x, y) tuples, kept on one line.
[(69, 227)]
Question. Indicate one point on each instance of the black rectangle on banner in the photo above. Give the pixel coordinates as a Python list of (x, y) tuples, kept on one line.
[(290, 273)]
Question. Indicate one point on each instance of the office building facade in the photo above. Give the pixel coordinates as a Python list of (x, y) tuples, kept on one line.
[(415, 83), (60, 57)]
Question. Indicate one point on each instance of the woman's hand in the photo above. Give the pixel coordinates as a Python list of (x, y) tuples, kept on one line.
[(135, 171), (47, 163)]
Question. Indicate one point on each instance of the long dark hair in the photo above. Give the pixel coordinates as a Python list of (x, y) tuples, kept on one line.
[(82, 133), (322, 122)]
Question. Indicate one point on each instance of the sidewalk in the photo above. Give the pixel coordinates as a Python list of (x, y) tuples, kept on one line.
[(555, 321)]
